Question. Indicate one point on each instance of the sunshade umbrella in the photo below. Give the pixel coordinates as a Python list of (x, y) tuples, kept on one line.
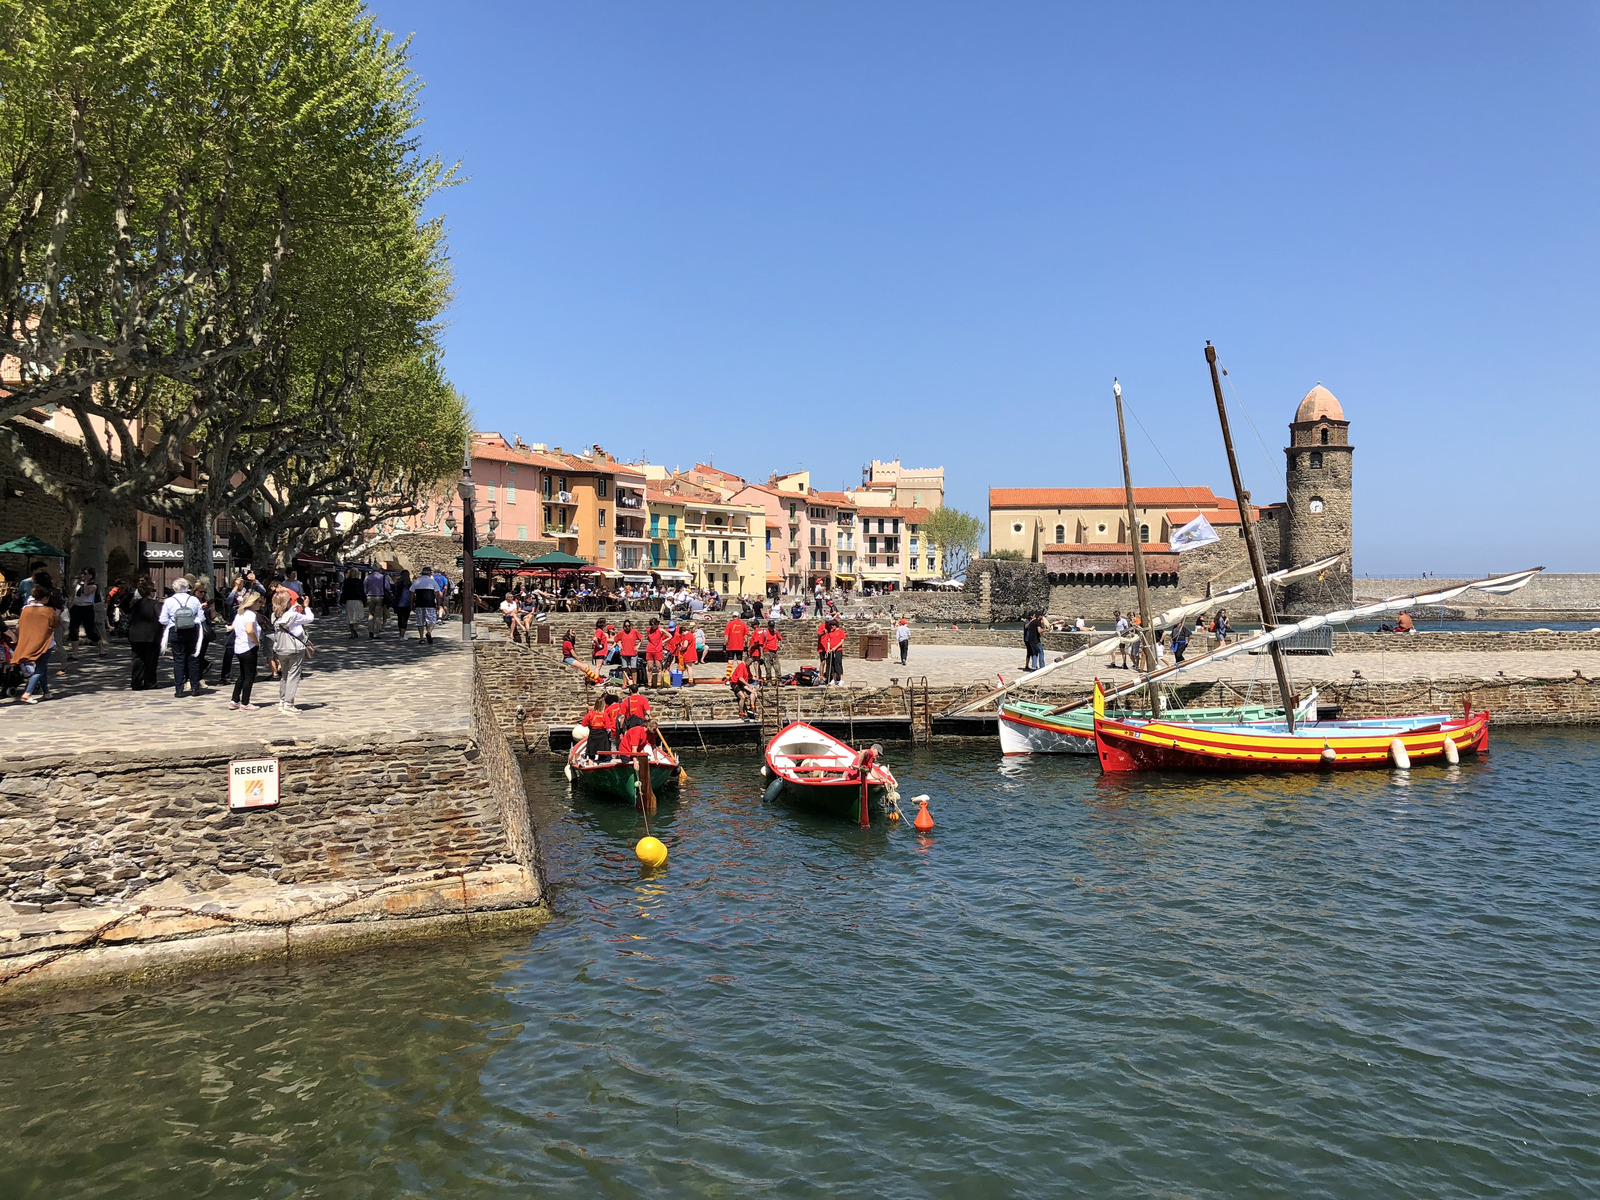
[(33, 547), (557, 558)]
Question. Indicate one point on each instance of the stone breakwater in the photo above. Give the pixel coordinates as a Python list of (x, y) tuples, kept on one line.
[(1527, 678), (123, 864)]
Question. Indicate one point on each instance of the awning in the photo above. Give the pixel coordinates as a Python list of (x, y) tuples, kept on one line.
[(672, 576), (881, 576), (634, 577)]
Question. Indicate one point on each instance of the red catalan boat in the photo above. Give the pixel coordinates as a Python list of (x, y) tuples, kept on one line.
[(1128, 745)]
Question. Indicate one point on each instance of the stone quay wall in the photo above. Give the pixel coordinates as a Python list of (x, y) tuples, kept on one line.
[(1552, 596), (1481, 641), (116, 864)]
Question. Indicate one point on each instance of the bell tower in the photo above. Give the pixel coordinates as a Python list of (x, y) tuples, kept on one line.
[(1319, 507)]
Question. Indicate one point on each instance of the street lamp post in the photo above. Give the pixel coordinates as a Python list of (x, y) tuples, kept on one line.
[(469, 540)]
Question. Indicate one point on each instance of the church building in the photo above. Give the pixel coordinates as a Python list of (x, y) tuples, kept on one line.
[(1081, 536)]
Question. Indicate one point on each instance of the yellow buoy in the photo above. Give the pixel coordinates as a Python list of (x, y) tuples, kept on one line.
[(652, 852)]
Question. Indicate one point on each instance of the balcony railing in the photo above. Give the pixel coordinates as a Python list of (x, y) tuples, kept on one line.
[(565, 498), (629, 501)]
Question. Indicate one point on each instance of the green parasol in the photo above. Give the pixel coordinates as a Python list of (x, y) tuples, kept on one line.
[(33, 547)]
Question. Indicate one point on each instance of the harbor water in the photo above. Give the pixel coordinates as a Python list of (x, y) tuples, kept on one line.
[(1368, 985)]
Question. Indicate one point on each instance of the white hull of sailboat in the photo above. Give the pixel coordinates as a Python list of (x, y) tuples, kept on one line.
[(1025, 737)]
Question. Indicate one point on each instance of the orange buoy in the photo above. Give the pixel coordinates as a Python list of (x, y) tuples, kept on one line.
[(923, 821)]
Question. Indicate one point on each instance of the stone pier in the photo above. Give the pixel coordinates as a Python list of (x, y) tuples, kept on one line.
[(402, 815)]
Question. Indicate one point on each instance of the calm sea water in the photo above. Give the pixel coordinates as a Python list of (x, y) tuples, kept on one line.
[(1363, 986)]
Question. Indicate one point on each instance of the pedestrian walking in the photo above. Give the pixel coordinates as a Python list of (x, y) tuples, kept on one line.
[(144, 635), (291, 645), (1219, 627), (354, 598), (376, 589), (816, 599), (80, 614), (244, 639), (1121, 647), (404, 599), (181, 618), (36, 637), (1180, 641), (425, 603), (202, 649), (902, 635)]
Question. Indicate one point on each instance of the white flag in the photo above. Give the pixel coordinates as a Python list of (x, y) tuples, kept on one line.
[(1197, 532)]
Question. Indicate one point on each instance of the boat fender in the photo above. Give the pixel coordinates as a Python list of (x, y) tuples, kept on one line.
[(568, 770), (774, 790), (764, 771), (1328, 753), (1452, 754), (580, 733), (1398, 755)]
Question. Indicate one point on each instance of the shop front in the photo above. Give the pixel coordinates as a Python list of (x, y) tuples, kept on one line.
[(163, 562)]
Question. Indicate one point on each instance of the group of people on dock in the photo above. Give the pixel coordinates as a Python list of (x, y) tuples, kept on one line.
[(183, 620), (369, 599)]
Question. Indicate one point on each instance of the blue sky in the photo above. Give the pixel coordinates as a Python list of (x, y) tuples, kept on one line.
[(807, 235)]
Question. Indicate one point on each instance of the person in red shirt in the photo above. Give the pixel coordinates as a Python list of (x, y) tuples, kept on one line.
[(569, 649), (833, 640), (687, 651), (613, 717), (597, 648), (739, 681), (655, 652), (594, 721), (822, 650), (770, 668), (736, 631), (637, 740), (628, 643), (635, 708)]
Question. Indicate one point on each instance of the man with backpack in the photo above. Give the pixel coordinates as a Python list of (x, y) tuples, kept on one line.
[(181, 616)]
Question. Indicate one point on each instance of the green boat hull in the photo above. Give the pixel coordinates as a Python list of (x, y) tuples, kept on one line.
[(621, 785), (833, 800)]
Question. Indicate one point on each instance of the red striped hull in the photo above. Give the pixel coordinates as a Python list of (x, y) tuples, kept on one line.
[(1169, 746)]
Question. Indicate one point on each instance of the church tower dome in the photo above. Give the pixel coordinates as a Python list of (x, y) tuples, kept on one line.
[(1319, 508)]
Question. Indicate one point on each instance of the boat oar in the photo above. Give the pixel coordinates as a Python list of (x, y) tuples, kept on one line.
[(683, 776)]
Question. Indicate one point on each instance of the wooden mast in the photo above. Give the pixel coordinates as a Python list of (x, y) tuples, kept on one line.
[(1147, 656), (1257, 566)]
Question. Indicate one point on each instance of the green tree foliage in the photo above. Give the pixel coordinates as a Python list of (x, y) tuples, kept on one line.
[(1007, 556), (956, 534), (213, 238)]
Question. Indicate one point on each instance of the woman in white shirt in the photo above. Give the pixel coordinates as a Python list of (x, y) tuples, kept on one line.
[(290, 644), (246, 644)]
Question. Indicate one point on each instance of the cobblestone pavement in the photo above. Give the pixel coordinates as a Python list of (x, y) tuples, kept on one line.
[(970, 664), (353, 689)]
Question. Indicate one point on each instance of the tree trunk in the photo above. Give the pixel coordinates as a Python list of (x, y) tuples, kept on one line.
[(197, 543), (91, 518)]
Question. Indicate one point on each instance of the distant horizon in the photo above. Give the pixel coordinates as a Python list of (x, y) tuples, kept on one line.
[(783, 239)]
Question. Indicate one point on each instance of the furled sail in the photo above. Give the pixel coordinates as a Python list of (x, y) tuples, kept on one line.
[(1497, 585)]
